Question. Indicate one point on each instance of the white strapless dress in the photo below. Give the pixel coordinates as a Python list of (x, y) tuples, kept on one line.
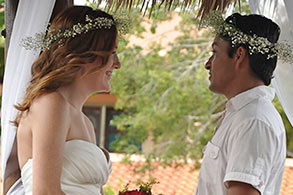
[(85, 169)]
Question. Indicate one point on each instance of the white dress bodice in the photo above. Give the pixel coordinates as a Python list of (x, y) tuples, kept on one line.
[(85, 169)]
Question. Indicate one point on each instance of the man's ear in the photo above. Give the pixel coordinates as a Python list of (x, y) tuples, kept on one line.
[(241, 55)]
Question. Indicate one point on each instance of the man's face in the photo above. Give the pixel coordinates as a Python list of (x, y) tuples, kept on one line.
[(221, 67)]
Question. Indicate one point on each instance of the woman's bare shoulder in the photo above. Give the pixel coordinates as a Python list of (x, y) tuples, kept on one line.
[(50, 106), (44, 104), (53, 99), (49, 118), (50, 99)]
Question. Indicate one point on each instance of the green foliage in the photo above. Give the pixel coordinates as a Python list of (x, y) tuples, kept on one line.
[(1, 13), (147, 187), (108, 190), (243, 9), (288, 126), (166, 98)]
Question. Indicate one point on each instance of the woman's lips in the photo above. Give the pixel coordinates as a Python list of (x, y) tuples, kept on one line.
[(109, 73)]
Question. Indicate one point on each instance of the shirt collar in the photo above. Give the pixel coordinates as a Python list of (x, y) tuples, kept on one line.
[(246, 97)]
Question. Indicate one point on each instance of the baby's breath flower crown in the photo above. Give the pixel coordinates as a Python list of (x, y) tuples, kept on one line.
[(256, 44), (44, 40)]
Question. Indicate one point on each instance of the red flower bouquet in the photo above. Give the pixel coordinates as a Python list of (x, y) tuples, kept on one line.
[(134, 192), (144, 189)]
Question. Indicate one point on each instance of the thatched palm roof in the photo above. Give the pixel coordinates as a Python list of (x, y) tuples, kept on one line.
[(204, 5)]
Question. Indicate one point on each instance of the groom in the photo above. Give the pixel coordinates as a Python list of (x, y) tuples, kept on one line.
[(246, 155)]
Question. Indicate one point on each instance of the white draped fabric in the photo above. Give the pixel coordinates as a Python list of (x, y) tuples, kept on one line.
[(281, 12), (32, 16)]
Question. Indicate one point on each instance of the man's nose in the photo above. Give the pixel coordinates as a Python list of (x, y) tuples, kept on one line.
[(208, 63), (116, 62)]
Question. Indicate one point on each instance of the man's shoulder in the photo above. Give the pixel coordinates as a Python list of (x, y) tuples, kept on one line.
[(260, 110), (258, 115)]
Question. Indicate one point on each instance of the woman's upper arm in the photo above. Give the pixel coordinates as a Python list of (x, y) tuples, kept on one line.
[(50, 125)]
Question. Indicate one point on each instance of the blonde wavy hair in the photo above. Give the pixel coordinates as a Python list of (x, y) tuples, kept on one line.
[(58, 65)]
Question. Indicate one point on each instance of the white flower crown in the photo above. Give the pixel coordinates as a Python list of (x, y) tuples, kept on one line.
[(44, 40), (256, 44)]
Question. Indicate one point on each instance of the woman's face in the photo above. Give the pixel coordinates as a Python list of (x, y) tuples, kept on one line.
[(100, 80)]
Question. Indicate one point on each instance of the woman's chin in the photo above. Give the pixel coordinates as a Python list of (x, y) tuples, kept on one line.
[(105, 90)]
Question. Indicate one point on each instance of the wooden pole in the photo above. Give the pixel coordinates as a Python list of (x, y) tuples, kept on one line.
[(10, 12)]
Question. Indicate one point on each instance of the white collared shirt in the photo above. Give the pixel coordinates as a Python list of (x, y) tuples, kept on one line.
[(249, 146)]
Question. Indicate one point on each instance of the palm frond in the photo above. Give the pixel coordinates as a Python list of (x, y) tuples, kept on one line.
[(219, 5), (205, 5)]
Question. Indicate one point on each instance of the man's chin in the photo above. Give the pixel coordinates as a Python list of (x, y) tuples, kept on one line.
[(214, 89), (211, 88)]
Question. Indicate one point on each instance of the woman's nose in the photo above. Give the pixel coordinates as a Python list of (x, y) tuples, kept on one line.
[(116, 62)]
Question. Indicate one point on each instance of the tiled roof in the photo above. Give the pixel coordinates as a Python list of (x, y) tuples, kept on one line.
[(174, 181), (287, 183)]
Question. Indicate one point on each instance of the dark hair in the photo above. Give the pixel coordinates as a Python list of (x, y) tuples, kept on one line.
[(263, 27)]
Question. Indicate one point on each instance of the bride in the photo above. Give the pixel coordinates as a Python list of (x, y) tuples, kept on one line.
[(56, 143)]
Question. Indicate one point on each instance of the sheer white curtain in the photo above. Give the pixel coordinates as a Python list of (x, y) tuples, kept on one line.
[(32, 16), (280, 11)]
